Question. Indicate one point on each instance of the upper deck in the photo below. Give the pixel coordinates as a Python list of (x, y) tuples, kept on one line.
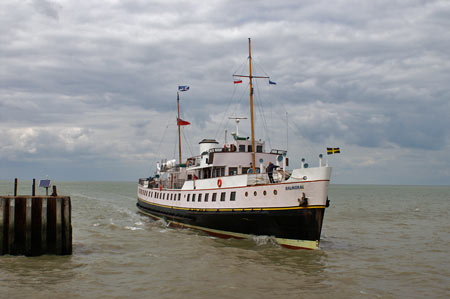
[(230, 160)]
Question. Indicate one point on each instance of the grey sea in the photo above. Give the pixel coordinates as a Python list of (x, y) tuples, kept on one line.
[(377, 242)]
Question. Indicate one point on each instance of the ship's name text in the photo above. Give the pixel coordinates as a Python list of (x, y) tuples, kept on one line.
[(295, 187)]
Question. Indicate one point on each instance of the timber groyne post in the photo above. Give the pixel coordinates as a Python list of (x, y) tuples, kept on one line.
[(35, 225)]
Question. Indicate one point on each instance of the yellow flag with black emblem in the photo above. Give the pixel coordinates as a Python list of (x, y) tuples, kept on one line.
[(333, 150)]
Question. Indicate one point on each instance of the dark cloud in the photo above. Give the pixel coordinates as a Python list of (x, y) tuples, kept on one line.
[(49, 8), (97, 80)]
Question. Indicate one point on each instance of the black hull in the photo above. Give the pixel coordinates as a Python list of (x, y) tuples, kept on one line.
[(296, 224)]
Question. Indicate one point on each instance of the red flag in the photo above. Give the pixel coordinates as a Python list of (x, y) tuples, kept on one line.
[(237, 81), (181, 122)]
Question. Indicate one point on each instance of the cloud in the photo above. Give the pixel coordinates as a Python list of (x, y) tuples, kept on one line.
[(96, 81), (49, 8)]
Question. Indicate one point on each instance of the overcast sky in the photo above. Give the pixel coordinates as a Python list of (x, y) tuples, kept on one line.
[(88, 88)]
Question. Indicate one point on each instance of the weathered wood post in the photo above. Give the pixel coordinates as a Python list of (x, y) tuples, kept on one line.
[(35, 225), (54, 192), (15, 187), (33, 190)]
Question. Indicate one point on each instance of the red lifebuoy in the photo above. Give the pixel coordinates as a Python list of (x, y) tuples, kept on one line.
[(219, 183)]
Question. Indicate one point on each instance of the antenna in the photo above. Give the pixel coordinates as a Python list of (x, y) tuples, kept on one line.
[(237, 120)]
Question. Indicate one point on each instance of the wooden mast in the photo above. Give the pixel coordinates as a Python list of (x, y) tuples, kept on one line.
[(251, 77), (251, 103), (179, 130)]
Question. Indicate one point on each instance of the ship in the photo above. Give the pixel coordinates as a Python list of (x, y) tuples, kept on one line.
[(239, 189)]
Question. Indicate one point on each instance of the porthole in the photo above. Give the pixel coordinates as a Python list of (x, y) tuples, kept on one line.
[(246, 194), (265, 193), (255, 193), (275, 192)]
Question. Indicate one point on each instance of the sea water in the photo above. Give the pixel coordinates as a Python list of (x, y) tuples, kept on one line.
[(377, 242)]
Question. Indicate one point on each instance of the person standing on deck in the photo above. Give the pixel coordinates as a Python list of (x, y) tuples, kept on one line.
[(270, 169), (250, 170)]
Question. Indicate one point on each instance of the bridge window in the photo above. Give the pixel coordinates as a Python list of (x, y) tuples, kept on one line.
[(219, 171), (188, 197), (222, 196), (242, 147), (259, 148), (232, 171), (179, 195), (200, 197), (193, 197), (206, 196), (214, 196)]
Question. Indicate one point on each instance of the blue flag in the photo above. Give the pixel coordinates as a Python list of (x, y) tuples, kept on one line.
[(183, 88), (271, 82)]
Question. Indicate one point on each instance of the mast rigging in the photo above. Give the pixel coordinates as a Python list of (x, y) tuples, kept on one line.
[(250, 77)]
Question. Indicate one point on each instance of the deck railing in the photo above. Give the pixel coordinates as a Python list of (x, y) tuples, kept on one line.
[(257, 179)]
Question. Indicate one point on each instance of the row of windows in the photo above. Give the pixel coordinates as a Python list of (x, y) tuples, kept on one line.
[(259, 148), (198, 197), (161, 195), (213, 197)]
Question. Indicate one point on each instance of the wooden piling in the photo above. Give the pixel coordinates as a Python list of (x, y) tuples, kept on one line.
[(20, 213), (67, 228), (35, 225), (51, 226), (54, 192), (2, 233), (11, 225), (33, 190), (15, 187)]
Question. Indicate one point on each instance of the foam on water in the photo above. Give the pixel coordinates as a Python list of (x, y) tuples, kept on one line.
[(264, 240)]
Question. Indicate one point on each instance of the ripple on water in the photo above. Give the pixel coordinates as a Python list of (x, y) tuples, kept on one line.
[(377, 241)]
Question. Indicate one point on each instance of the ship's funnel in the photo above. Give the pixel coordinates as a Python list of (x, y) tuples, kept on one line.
[(207, 144)]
